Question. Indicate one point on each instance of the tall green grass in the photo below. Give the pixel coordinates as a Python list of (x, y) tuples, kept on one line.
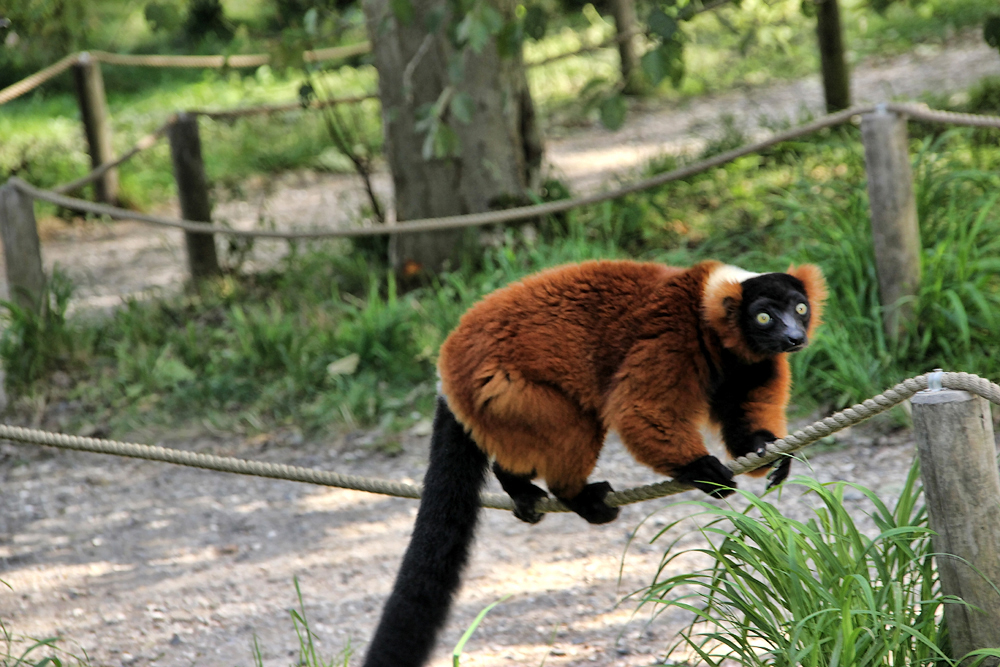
[(33, 345), (779, 592)]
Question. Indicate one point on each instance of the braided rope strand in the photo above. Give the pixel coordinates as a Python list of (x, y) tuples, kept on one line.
[(791, 443)]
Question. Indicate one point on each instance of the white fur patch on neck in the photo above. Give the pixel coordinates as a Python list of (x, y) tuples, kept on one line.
[(726, 274)]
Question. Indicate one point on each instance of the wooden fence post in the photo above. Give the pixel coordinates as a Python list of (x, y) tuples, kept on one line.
[(192, 190), (958, 462), (22, 251), (96, 124), (829, 35), (894, 216)]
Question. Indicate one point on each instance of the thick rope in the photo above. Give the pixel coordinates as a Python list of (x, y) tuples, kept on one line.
[(145, 143), (38, 78), (226, 114), (235, 61), (915, 111), (841, 420), (457, 221), (926, 114), (150, 139)]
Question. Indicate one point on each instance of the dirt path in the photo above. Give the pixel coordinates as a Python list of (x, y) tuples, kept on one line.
[(149, 564)]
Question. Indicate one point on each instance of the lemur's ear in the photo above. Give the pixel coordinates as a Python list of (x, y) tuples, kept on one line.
[(812, 277)]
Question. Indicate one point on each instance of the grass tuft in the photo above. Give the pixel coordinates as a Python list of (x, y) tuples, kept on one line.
[(782, 592)]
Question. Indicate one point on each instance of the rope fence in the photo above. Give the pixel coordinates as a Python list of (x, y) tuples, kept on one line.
[(914, 111), (150, 139), (236, 61), (145, 143), (266, 109), (775, 450)]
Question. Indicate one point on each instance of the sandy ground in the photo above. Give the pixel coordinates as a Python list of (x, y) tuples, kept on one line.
[(141, 564)]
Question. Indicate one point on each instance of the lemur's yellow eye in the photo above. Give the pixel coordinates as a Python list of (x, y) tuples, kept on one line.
[(763, 318), (801, 309)]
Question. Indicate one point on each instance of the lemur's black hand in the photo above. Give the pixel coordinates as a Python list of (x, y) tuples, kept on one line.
[(708, 474)]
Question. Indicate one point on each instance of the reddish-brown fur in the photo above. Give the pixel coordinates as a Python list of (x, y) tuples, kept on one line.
[(540, 370)]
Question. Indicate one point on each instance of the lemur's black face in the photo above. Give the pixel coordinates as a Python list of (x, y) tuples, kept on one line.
[(775, 313)]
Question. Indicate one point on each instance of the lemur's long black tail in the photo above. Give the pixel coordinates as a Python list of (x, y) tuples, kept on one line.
[(433, 563)]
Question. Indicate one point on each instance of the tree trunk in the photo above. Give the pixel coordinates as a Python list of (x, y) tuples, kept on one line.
[(633, 78), (836, 78), (499, 151)]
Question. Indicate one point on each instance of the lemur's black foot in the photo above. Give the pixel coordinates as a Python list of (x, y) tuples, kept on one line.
[(781, 467), (590, 504), (524, 494), (780, 472), (708, 474)]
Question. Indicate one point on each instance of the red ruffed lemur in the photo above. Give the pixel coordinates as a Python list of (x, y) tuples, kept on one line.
[(538, 372)]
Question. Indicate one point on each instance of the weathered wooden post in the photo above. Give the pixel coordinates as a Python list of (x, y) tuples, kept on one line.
[(192, 190), (829, 35), (21, 248), (96, 124), (958, 462), (894, 215)]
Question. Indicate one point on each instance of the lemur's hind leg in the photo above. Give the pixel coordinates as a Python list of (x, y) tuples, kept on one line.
[(524, 494)]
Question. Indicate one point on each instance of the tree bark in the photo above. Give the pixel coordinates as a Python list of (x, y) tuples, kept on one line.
[(499, 151), (836, 78), (633, 78)]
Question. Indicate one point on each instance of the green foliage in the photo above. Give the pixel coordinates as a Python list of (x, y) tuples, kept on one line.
[(781, 592), (456, 654), (959, 295), (32, 345), (991, 31), (39, 32), (207, 18), (273, 348), (613, 110)]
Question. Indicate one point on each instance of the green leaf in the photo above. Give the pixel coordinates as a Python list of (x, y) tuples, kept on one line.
[(402, 10), (661, 24), (456, 68), (652, 65), (536, 22), (445, 142), (808, 8), (462, 107), (435, 18), (991, 31), (613, 110), (509, 39), (479, 25), (456, 654), (491, 18), (309, 21)]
